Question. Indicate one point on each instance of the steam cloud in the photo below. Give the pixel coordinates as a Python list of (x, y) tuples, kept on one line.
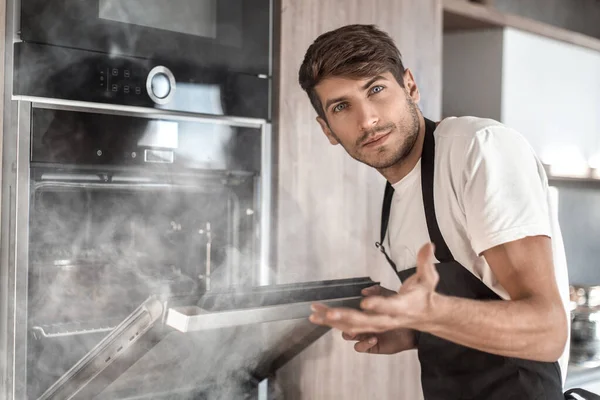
[(98, 251)]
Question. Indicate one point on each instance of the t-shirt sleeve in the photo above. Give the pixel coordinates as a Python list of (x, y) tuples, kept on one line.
[(504, 195)]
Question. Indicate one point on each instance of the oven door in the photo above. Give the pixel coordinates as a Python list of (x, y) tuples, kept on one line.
[(117, 206), (230, 34), (216, 346)]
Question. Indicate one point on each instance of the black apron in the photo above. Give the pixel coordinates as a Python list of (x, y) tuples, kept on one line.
[(450, 371)]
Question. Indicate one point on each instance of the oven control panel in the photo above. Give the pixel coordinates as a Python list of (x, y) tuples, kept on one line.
[(129, 82), (122, 80), (73, 74)]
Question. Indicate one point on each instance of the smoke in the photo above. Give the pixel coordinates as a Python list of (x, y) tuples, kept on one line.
[(101, 241), (98, 251)]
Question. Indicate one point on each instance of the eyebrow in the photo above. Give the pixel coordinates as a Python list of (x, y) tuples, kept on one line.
[(364, 87), (372, 81)]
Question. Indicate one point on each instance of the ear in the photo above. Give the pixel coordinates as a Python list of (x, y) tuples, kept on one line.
[(325, 127), (411, 86)]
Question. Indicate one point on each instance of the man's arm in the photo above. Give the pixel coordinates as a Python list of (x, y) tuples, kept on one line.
[(501, 191), (532, 325)]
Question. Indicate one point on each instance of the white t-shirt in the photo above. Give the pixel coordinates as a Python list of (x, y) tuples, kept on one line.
[(489, 189)]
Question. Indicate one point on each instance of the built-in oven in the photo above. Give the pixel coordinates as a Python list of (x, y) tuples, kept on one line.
[(140, 258), (233, 35)]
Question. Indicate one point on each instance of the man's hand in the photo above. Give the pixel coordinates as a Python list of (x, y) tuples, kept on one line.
[(390, 342), (409, 308)]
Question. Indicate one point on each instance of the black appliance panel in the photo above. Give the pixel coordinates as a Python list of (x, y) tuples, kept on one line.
[(224, 34), (71, 74), (78, 138)]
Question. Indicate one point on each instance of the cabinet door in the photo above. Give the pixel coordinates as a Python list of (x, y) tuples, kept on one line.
[(329, 204)]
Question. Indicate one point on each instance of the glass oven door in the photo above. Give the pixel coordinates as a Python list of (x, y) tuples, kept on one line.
[(123, 208), (230, 34)]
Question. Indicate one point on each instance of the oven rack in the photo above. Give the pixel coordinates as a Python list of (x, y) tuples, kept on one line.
[(62, 329)]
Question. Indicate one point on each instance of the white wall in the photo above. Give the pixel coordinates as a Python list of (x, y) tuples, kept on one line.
[(547, 89), (551, 93)]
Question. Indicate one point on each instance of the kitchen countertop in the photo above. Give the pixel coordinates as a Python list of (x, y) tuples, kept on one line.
[(578, 376)]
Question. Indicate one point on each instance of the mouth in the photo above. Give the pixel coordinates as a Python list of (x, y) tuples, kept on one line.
[(377, 140)]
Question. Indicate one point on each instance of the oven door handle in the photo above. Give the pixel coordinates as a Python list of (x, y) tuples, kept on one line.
[(124, 184)]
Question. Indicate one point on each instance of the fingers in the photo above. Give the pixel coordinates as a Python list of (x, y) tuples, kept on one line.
[(426, 271), (351, 321), (371, 291), (319, 308), (379, 305), (377, 290), (369, 345), (365, 343), (356, 337)]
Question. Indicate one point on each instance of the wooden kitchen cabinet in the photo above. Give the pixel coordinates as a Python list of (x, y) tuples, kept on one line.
[(328, 205)]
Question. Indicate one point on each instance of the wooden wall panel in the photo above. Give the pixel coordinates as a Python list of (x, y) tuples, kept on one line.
[(329, 204)]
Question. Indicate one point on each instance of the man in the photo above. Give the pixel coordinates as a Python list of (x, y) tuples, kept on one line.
[(483, 306)]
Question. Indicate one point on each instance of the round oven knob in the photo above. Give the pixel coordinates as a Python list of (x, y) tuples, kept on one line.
[(160, 85)]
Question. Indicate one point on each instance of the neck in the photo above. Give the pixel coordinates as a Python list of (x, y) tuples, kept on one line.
[(396, 172)]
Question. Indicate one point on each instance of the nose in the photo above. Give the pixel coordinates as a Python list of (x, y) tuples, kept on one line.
[(367, 116)]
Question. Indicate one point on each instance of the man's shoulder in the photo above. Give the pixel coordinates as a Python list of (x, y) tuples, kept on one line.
[(462, 133), (467, 127)]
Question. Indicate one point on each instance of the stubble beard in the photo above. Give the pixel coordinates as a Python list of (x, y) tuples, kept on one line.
[(385, 156)]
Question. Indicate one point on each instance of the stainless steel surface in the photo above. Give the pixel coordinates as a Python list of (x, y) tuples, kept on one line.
[(585, 326), (73, 328), (166, 363), (163, 134), (580, 376), (193, 319), (208, 252), (21, 260), (110, 186), (158, 156), (172, 85), (140, 112), (127, 333), (8, 339), (266, 206), (585, 339), (585, 296)]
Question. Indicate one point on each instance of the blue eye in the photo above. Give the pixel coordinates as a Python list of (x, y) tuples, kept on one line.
[(339, 107), (377, 89)]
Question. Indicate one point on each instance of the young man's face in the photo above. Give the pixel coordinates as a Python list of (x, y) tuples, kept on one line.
[(375, 119)]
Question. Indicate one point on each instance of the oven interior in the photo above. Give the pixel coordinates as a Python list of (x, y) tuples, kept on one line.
[(105, 237)]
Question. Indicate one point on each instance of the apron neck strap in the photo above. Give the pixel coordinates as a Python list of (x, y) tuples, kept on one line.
[(442, 252)]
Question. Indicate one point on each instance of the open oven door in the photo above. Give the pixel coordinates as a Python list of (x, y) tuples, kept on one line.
[(215, 345)]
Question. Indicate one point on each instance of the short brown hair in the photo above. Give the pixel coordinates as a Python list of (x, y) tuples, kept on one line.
[(353, 51)]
